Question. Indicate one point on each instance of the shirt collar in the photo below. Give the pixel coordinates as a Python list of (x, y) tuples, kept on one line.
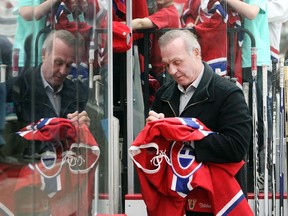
[(47, 85)]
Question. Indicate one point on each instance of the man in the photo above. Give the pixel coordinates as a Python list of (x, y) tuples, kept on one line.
[(46, 91), (200, 93)]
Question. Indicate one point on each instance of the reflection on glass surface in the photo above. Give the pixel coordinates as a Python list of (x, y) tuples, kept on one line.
[(65, 173), (53, 124)]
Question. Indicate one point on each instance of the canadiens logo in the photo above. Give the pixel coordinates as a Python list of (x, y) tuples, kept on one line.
[(51, 161), (183, 160), (48, 159), (80, 158)]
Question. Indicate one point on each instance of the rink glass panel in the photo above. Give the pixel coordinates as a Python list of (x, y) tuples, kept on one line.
[(70, 177)]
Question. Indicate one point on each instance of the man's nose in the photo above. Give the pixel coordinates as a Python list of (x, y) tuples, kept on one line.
[(172, 69), (64, 70)]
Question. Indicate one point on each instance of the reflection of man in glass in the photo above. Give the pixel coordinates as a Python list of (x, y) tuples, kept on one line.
[(46, 91)]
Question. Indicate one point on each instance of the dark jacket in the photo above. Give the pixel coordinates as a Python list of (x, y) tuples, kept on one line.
[(32, 103), (221, 106)]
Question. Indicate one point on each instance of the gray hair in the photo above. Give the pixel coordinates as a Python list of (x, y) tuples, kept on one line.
[(189, 38), (65, 36)]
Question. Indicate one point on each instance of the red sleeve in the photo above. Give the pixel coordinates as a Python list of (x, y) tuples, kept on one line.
[(139, 9), (166, 18)]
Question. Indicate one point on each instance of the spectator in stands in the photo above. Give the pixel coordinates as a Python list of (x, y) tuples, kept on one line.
[(8, 18), (277, 15), (46, 91), (255, 18), (209, 22), (7, 31), (165, 9), (31, 20), (165, 16), (200, 93)]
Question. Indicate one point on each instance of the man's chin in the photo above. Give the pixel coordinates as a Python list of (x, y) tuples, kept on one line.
[(56, 85)]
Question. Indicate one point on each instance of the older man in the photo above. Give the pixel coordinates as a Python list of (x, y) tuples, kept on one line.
[(46, 91), (197, 92)]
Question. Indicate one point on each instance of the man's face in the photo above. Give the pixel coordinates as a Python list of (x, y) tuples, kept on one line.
[(183, 66), (56, 65)]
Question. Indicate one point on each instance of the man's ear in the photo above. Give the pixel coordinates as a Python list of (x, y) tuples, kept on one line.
[(197, 52)]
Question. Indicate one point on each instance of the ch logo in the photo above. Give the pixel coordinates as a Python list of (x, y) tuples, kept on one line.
[(183, 160)]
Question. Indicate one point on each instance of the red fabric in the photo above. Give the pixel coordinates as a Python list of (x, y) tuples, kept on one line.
[(73, 137), (73, 27), (139, 10), (210, 30), (120, 5), (74, 192), (168, 171), (61, 20), (236, 59), (71, 177), (92, 9), (164, 18), (122, 37), (198, 201), (65, 17), (8, 179), (66, 187), (154, 85)]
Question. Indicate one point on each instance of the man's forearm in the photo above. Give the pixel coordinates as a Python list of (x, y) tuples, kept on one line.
[(37, 12)]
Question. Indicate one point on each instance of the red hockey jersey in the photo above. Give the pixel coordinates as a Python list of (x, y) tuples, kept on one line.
[(65, 175), (78, 144), (165, 160), (210, 20), (211, 24)]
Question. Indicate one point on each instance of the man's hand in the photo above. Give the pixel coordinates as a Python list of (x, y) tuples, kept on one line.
[(82, 117), (154, 116)]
